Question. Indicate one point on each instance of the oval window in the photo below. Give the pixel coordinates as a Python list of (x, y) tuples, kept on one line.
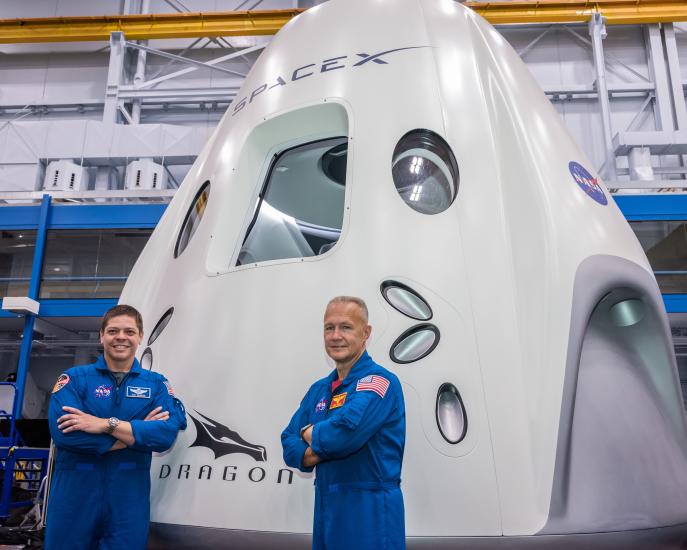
[(425, 172), (160, 326), (147, 359), (415, 343), (451, 417), (627, 313), (406, 300), (192, 220)]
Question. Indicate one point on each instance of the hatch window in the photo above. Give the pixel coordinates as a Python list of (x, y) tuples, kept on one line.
[(299, 212)]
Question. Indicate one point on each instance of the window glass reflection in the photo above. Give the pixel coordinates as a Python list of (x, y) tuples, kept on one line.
[(90, 263), (16, 259), (425, 172), (450, 412), (415, 343), (665, 244), (406, 300), (300, 211), (160, 325), (192, 220)]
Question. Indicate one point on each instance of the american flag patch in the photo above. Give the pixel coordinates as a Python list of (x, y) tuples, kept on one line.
[(377, 384), (170, 390)]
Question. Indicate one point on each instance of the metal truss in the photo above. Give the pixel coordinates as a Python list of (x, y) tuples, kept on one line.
[(662, 88), (131, 92), (140, 92)]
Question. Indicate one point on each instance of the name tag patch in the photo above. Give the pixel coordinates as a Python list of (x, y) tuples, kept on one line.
[(141, 393), (338, 400)]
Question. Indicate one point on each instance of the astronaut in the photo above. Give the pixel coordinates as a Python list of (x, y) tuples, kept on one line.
[(106, 419), (351, 425)]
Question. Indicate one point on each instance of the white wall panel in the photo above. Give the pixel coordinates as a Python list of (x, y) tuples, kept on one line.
[(51, 8)]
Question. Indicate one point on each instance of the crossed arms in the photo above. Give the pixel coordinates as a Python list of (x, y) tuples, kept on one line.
[(75, 430), (77, 420)]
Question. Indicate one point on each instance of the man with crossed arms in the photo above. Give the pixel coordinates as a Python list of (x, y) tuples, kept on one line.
[(106, 419), (350, 426)]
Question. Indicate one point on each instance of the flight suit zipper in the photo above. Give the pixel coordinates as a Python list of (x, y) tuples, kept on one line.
[(118, 397)]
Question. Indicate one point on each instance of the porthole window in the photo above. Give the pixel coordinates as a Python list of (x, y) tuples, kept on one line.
[(301, 206), (425, 172), (451, 417), (160, 326), (192, 220), (627, 313), (415, 343), (147, 359), (406, 300)]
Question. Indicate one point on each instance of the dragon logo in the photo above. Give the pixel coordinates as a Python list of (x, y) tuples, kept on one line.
[(223, 441)]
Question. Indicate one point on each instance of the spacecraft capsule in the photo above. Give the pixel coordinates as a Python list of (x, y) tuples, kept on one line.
[(400, 151)]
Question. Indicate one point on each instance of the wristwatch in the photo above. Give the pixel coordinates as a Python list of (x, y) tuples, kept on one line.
[(112, 423)]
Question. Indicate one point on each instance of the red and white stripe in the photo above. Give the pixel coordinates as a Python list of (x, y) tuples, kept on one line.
[(375, 383)]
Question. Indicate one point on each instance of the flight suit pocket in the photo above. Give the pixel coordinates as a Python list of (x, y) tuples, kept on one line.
[(353, 412)]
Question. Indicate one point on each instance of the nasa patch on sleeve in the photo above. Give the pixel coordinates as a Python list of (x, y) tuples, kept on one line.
[(588, 183)]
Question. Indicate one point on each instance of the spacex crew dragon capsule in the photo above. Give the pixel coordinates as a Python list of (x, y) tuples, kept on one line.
[(400, 151)]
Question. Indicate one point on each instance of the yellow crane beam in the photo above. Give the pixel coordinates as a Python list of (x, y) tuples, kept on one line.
[(616, 12), (265, 22), (144, 27)]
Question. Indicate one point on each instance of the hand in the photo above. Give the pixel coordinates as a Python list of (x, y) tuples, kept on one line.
[(77, 420), (157, 414), (307, 435), (117, 446), (310, 458)]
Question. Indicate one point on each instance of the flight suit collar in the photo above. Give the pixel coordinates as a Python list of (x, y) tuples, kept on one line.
[(101, 365), (357, 371)]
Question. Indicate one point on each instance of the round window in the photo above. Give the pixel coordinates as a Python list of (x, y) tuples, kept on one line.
[(192, 220), (425, 172)]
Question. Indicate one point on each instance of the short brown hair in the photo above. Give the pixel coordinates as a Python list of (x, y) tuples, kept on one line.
[(351, 300), (122, 309)]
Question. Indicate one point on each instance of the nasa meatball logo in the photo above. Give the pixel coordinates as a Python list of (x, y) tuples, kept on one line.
[(222, 440), (588, 183), (103, 391), (321, 405)]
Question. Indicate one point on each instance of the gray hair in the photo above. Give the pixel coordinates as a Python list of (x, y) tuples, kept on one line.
[(351, 300)]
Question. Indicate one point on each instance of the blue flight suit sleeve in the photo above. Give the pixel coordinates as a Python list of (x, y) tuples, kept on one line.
[(341, 435), (291, 441), (159, 435), (77, 441)]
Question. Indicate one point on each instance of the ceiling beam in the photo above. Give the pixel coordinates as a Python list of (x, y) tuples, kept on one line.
[(616, 12), (267, 22), (144, 26)]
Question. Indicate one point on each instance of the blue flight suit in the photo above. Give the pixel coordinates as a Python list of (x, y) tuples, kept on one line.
[(100, 499), (358, 499)]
